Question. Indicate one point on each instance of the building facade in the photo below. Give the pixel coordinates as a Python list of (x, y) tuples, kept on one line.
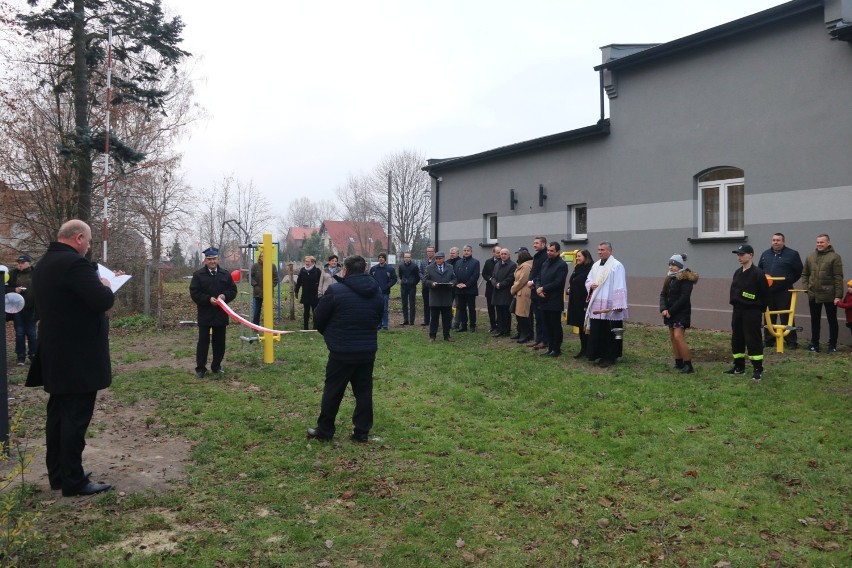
[(717, 139)]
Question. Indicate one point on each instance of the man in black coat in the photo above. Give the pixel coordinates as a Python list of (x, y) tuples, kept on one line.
[(550, 290), (487, 274), (72, 360), (440, 280), (467, 289), (504, 277), (210, 285), (409, 277), (347, 316), (540, 255)]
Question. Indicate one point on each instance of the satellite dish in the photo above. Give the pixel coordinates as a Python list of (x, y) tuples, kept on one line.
[(14, 303)]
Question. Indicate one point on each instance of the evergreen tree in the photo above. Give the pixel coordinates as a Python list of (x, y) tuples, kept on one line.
[(176, 256), (145, 45), (313, 246)]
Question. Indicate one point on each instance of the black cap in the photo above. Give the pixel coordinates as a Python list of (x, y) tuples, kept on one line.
[(744, 249), (25, 258), (212, 252), (522, 249)]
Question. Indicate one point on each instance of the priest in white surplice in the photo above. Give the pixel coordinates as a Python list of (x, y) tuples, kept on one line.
[(607, 287)]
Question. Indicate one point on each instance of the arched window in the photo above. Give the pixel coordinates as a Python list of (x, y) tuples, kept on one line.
[(721, 199)]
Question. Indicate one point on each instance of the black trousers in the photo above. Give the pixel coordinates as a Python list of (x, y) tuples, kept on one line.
[(426, 313), (68, 418), (309, 308), (780, 300), (492, 313), (504, 319), (745, 333), (601, 342), (538, 323), (466, 309), (553, 329), (445, 313), (203, 347), (338, 374), (409, 297), (524, 328), (830, 316), (258, 311)]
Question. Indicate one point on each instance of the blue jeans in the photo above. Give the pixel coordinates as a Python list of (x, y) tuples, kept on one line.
[(385, 311), (25, 330)]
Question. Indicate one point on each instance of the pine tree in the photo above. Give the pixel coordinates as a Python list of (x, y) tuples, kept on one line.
[(145, 46)]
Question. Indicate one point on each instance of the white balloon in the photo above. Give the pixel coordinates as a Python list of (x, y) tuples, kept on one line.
[(14, 303)]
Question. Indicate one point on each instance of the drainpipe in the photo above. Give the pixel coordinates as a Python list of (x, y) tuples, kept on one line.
[(601, 93), (437, 218)]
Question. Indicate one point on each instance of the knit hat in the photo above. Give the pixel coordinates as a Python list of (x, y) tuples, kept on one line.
[(677, 260), (849, 283)]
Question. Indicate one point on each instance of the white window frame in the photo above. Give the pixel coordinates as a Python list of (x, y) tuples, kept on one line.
[(572, 221), (487, 220), (723, 187)]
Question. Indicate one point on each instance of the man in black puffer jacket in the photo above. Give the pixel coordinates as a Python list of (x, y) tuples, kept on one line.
[(348, 316)]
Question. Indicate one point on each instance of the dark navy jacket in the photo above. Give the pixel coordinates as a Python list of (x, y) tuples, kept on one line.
[(409, 274), (552, 277), (786, 263), (385, 277), (467, 272), (347, 316)]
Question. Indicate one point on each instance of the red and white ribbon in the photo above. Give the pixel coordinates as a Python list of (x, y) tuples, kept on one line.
[(235, 316)]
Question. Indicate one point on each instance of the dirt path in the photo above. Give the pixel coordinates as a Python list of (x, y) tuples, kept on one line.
[(124, 446)]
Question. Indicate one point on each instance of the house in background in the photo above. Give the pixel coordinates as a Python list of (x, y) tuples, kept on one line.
[(345, 238), (296, 237), (713, 140)]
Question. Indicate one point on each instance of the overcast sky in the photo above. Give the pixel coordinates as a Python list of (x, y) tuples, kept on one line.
[(302, 94)]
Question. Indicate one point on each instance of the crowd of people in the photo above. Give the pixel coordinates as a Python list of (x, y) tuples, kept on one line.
[(69, 354)]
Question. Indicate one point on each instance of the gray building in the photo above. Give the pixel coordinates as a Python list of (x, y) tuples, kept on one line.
[(713, 140)]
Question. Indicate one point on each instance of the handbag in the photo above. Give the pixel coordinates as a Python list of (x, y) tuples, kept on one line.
[(512, 305)]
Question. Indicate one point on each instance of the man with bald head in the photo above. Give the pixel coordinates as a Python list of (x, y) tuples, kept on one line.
[(72, 362), (504, 277)]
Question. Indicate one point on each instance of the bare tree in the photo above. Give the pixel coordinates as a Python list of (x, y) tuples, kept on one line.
[(410, 203), (357, 199), (304, 212)]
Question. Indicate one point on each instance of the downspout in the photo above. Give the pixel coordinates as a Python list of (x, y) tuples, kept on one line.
[(437, 217), (601, 94)]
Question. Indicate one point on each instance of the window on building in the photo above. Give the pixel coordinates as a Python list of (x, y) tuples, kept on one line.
[(721, 196), (577, 221), (491, 228)]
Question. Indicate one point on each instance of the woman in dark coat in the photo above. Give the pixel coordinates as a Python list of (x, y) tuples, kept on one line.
[(577, 295), (308, 282), (676, 308), (504, 277)]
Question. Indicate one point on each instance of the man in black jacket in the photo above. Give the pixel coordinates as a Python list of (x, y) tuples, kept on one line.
[(348, 316), (210, 285), (550, 290), (409, 276), (467, 289), (20, 282), (487, 274), (385, 277), (541, 339), (72, 362), (780, 260)]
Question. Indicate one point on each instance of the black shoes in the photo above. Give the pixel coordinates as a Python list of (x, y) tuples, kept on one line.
[(473, 328), (313, 434), (516, 336), (57, 486), (523, 340), (89, 488), (424, 324), (735, 371), (813, 347), (605, 363), (687, 368), (553, 354), (832, 349), (200, 374), (359, 438)]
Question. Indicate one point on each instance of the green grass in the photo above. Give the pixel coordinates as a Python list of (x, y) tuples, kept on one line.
[(485, 453)]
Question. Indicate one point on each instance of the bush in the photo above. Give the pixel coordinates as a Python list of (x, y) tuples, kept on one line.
[(136, 322)]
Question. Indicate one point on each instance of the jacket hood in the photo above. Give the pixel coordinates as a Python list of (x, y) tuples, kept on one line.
[(362, 284), (827, 250), (687, 274)]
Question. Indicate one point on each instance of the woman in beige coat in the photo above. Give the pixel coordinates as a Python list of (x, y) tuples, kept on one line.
[(521, 293)]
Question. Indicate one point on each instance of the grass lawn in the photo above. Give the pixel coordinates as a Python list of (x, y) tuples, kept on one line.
[(482, 453)]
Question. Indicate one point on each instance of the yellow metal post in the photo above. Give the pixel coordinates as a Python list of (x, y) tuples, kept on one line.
[(269, 257), (778, 330), (570, 256)]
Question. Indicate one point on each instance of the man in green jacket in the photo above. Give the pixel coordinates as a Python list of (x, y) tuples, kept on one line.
[(822, 277)]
